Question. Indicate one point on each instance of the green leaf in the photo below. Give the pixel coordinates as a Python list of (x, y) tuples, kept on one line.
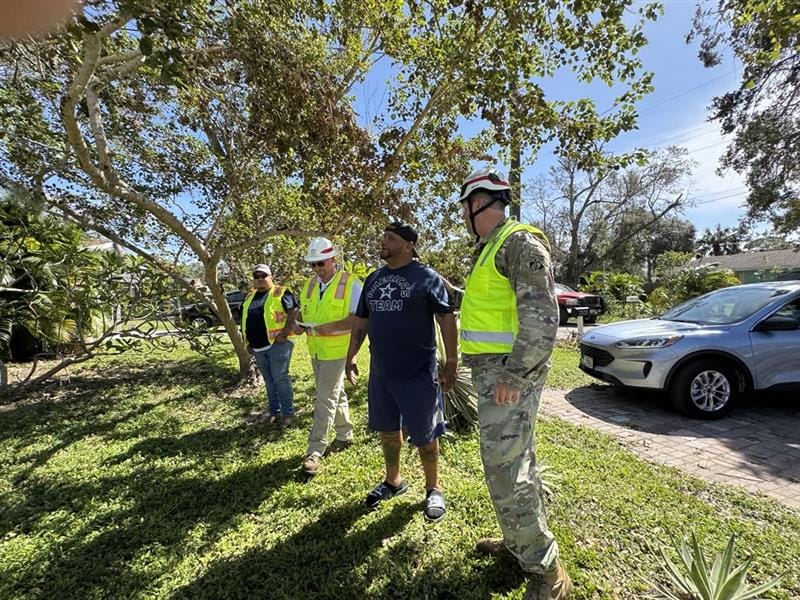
[(146, 45)]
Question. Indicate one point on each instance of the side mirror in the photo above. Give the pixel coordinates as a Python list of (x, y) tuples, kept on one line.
[(778, 323)]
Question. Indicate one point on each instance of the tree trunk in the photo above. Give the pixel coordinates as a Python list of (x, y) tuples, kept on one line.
[(573, 268), (514, 181), (226, 317)]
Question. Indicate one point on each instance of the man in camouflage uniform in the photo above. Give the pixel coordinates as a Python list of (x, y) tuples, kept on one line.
[(509, 318)]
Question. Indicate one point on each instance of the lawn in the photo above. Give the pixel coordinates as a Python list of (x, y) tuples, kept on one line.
[(137, 478)]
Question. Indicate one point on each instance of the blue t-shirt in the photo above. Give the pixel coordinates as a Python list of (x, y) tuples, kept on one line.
[(400, 304)]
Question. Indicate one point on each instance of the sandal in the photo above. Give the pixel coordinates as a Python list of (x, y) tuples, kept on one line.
[(434, 506), (384, 491)]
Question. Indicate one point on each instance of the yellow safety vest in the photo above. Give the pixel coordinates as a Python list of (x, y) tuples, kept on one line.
[(489, 320), (274, 314), (333, 306)]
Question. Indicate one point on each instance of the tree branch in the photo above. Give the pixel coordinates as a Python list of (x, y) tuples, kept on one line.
[(86, 223), (262, 237), (107, 179), (621, 241)]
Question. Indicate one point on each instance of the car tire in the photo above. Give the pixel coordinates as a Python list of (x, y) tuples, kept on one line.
[(590, 320), (706, 389), (200, 322), (563, 317)]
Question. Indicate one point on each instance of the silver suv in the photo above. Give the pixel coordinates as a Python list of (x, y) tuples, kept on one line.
[(705, 352)]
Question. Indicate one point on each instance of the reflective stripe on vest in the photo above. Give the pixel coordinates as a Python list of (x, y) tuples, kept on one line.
[(487, 336), (489, 320), (340, 289), (334, 305), (310, 289)]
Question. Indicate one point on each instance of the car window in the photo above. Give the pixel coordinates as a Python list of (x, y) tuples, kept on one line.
[(792, 309), (563, 289), (725, 306)]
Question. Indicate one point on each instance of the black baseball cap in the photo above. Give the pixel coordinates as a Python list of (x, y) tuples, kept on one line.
[(405, 231)]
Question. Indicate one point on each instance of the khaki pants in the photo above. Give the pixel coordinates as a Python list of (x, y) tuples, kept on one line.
[(331, 407)]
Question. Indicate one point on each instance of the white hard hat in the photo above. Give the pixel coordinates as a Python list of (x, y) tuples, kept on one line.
[(488, 180), (320, 248), (262, 268)]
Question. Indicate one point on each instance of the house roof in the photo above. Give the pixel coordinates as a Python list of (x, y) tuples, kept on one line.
[(753, 261)]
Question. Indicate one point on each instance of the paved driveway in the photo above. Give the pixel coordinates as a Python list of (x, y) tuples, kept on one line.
[(756, 447)]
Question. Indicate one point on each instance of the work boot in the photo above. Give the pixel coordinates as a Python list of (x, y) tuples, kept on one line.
[(339, 445), (555, 584), (311, 464), (492, 547), (287, 421)]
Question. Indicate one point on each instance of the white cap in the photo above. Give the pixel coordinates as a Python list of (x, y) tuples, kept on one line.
[(262, 268), (320, 248)]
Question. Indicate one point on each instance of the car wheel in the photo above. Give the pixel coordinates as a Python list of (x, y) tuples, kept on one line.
[(200, 323), (563, 317), (591, 320), (706, 389)]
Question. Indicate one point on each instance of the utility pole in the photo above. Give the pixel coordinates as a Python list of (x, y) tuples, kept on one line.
[(514, 180), (514, 176)]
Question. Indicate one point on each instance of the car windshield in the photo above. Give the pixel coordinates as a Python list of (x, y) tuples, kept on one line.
[(563, 289), (723, 307)]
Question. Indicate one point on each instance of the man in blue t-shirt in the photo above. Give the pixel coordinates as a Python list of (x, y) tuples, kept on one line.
[(397, 307)]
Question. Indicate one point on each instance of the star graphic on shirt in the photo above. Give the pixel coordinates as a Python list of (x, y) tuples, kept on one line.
[(387, 290)]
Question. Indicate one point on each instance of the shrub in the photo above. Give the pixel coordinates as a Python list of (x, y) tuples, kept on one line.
[(615, 288), (690, 283), (693, 580)]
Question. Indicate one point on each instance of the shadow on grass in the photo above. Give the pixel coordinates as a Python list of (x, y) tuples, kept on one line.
[(326, 559), (163, 508), (93, 404)]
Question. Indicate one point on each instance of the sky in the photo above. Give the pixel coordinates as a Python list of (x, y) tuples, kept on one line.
[(675, 113)]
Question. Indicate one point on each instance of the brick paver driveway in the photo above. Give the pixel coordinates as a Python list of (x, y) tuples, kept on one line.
[(757, 446)]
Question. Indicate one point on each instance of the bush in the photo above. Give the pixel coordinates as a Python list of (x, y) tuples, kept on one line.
[(615, 288), (690, 283)]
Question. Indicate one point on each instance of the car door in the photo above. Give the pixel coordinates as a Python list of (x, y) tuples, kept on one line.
[(776, 354)]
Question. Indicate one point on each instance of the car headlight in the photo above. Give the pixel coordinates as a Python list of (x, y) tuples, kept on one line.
[(571, 302), (649, 342)]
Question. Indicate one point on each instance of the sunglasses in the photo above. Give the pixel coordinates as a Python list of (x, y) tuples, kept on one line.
[(260, 275), (318, 264)]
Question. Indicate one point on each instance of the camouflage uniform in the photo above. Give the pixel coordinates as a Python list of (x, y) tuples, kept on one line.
[(508, 442)]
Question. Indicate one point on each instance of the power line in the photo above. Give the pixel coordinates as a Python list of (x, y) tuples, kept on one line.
[(676, 96), (712, 200), (690, 90), (678, 139)]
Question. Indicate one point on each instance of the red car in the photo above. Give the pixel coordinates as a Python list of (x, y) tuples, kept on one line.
[(569, 300)]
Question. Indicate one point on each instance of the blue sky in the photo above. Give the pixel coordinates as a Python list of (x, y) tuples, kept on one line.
[(674, 114)]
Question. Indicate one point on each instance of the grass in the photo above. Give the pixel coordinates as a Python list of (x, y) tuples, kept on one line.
[(136, 478), (564, 373)]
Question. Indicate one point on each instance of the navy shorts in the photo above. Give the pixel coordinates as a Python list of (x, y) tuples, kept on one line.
[(414, 403)]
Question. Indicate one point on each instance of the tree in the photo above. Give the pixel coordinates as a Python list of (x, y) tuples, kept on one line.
[(720, 242), (219, 132), (768, 242), (639, 254), (599, 211), (763, 113), (64, 300)]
